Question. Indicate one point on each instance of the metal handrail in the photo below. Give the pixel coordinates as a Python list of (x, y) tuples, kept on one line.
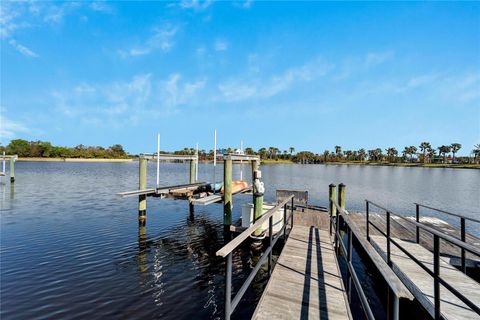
[(446, 212), (351, 274), (437, 235), (462, 228), (227, 251)]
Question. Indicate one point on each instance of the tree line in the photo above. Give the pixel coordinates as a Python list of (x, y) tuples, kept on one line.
[(44, 149), (424, 153)]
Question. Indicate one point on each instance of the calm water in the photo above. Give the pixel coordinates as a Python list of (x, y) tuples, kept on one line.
[(71, 249)]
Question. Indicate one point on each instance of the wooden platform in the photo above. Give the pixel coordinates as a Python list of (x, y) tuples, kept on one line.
[(306, 280), (420, 283), (406, 231)]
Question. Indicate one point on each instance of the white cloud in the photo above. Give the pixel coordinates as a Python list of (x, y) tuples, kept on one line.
[(10, 129), (260, 88), (376, 58), (161, 39), (221, 45), (119, 102), (101, 6), (196, 4), (22, 49)]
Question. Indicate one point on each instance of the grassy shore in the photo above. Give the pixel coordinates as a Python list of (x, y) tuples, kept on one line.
[(73, 160)]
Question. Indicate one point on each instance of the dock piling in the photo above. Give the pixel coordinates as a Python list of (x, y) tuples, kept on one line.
[(257, 196), (332, 197), (12, 169), (142, 185), (227, 192), (341, 195)]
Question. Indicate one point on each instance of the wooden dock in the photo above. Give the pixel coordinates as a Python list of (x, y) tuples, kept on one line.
[(306, 282), (420, 282)]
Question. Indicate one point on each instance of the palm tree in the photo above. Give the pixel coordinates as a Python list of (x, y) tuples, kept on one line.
[(424, 146), (338, 152), (361, 154), (431, 154), (348, 154), (262, 152), (391, 153), (326, 153), (444, 150), (455, 147), (292, 150), (476, 152)]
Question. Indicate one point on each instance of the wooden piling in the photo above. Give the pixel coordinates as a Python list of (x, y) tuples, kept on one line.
[(341, 195), (257, 198), (332, 195), (227, 192), (12, 169), (142, 185), (193, 171)]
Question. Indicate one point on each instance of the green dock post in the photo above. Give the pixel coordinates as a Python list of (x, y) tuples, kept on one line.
[(341, 195), (227, 192), (12, 169), (332, 197), (257, 197), (142, 185)]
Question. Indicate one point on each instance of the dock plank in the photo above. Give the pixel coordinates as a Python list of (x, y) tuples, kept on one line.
[(306, 280), (420, 283)]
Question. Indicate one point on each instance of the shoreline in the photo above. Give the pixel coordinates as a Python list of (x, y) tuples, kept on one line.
[(73, 160), (269, 161)]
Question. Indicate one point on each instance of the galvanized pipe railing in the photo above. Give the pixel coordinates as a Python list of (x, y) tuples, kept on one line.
[(462, 228), (347, 254), (437, 235), (227, 251)]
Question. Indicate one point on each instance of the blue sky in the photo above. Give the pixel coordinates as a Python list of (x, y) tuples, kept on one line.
[(310, 75)]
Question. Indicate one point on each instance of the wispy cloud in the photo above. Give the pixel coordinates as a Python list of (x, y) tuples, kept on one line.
[(101, 6), (221, 45), (377, 58), (119, 102), (22, 49), (196, 4), (161, 39), (265, 87), (10, 129)]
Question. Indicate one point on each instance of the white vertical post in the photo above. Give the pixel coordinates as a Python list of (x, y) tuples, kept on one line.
[(158, 160), (241, 162), (3, 167), (214, 156), (196, 167)]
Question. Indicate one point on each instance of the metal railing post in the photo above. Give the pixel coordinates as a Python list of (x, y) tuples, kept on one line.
[(462, 236), (228, 287), (396, 307), (285, 222), (389, 261), (417, 218), (291, 224), (368, 219), (349, 259), (337, 222), (436, 272), (270, 238)]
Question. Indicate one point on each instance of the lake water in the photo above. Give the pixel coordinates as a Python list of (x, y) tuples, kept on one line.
[(71, 249)]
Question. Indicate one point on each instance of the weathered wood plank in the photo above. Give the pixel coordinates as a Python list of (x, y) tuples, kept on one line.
[(420, 282), (306, 280)]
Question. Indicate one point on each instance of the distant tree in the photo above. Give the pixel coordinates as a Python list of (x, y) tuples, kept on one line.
[(249, 151), (338, 152), (444, 150), (262, 152), (19, 147), (118, 151), (391, 154), (362, 154), (292, 150), (455, 147), (326, 155), (431, 154), (424, 146), (476, 152)]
